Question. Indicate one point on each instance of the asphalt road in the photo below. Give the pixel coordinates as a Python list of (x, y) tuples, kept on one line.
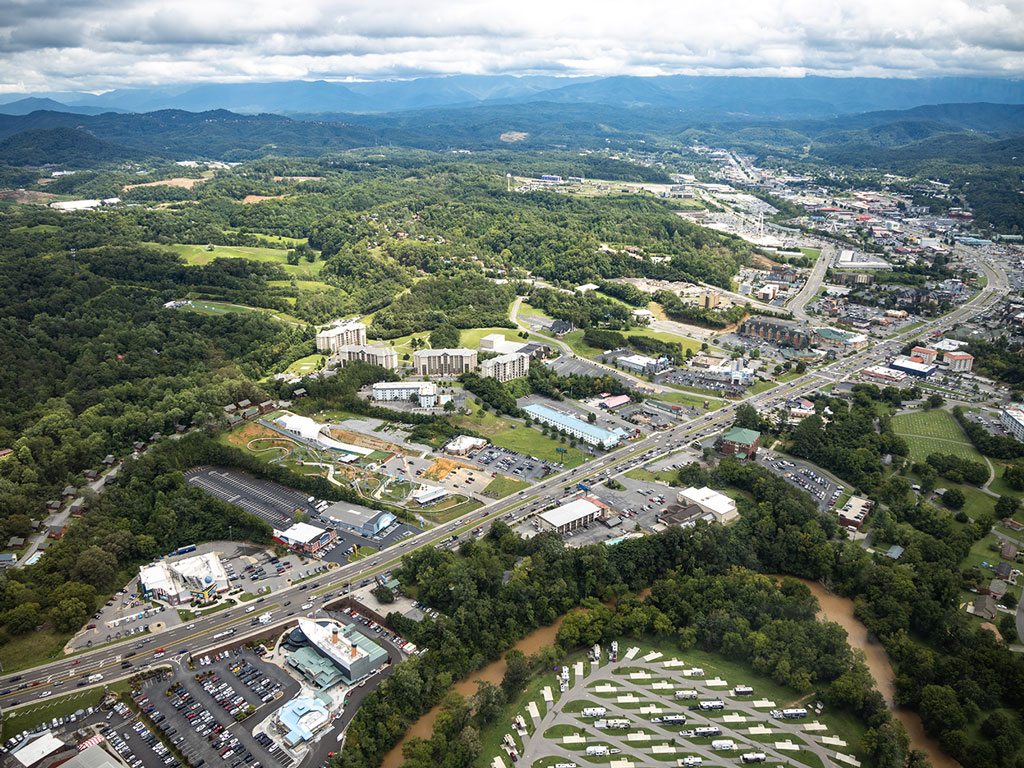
[(209, 632)]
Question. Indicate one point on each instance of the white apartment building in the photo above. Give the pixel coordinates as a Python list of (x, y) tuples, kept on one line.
[(514, 365), (959, 362), (496, 342), (1012, 419), (444, 362), (385, 357), (423, 392), (339, 334)]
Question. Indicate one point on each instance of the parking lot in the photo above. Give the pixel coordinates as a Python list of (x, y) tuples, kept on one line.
[(271, 502), (824, 490), (199, 716), (574, 366)]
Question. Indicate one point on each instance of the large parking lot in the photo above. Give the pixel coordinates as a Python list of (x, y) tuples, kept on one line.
[(824, 490), (199, 716)]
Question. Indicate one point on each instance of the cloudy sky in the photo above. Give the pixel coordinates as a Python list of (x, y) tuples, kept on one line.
[(102, 44)]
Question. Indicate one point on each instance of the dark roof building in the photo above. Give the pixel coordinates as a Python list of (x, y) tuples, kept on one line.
[(985, 607)]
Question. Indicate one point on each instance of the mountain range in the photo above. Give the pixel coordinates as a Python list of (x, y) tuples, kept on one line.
[(706, 97)]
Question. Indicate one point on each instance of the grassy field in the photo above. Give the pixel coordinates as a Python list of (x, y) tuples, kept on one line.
[(503, 486), (449, 509), (576, 343), (199, 255), (207, 307), (688, 399), (523, 439), (934, 431), (23, 651), (306, 364), (470, 337), (25, 718), (302, 285), (526, 309)]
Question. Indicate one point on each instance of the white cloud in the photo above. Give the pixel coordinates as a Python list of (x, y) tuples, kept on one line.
[(96, 44)]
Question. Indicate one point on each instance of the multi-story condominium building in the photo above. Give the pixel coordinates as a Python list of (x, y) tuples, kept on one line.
[(423, 392), (506, 367), (444, 362), (340, 334), (385, 357)]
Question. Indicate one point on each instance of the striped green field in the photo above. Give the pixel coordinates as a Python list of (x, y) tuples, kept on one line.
[(936, 431)]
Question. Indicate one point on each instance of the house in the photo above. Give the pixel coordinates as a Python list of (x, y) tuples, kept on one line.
[(243, 404), (560, 327), (109, 460), (740, 441), (1003, 571), (76, 507), (91, 474), (299, 393), (138, 445), (985, 607), (69, 491), (1007, 551), (53, 505), (234, 418), (997, 588), (16, 542), (179, 428), (895, 552), (229, 409), (56, 531), (7, 560), (266, 406)]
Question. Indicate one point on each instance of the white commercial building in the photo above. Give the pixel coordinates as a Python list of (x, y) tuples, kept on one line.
[(197, 578), (312, 431), (444, 362), (884, 372), (463, 444), (588, 433), (496, 342), (303, 537), (569, 517), (514, 365), (385, 357), (948, 345), (422, 392), (339, 334), (713, 502), (428, 494), (1012, 419)]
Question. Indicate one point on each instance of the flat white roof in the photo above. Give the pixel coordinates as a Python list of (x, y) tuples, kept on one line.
[(717, 502), (567, 513), (303, 532), (39, 748), (429, 493)]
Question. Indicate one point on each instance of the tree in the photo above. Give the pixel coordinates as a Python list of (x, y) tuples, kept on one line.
[(23, 618), (1007, 506), (487, 703), (517, 672), (954, 498), (384, 594), (68, 615), (292, 257), (935, 400), (96, 566), (301, 517), (591, 417), (747, 417), (940, 710), (1014, 476)]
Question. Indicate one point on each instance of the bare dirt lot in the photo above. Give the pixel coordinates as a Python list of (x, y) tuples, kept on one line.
[(250, 199), (298, 178), (26, 196), (176, 182), (513, 136)]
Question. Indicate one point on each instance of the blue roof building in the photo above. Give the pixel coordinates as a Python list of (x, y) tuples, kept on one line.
[(588, 433), (301, 719)]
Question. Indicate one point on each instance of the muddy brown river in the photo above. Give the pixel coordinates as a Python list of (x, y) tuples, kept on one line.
[(840, 610), (833, 608)]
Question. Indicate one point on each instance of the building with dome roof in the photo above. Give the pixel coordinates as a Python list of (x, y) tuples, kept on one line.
[(199, 578)]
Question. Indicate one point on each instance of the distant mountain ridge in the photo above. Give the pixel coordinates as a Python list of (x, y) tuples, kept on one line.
[(803, 97), (958, 132)]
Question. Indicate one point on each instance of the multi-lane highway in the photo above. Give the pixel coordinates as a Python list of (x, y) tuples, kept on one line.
[(63, 676)]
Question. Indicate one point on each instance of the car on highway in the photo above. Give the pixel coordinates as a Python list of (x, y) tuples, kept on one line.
[(44, 694)]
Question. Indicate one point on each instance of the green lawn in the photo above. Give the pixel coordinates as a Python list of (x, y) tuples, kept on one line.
[(470, 337), (514, 435), (526, 309), (207, 307), (934, 431), (199, 255), (306, 364), (688, 399), (302, 285), (28, 717), (24, 651), (503, 486)]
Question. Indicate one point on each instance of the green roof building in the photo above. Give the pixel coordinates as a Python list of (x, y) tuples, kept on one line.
[(740, 441)]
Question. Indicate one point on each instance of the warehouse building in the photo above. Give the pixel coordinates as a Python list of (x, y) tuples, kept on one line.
[(569, 517), (444, 362), (192, 579), (362, 520), (588, 433), (711, 502), (920, 369), (884, 372)]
